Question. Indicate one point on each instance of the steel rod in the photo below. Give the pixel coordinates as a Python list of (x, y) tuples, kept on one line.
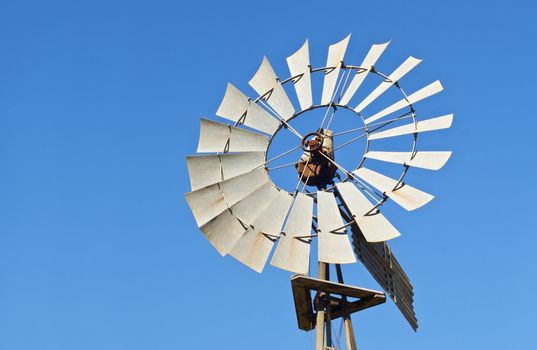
[(349, 330)]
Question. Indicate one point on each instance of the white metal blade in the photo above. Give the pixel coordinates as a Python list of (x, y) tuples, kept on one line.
[(244, 141), (299, 64), (432, 124), (266, 83), (238, 107), (239, 163), (417, 96), (422, 159), (336, 53), (249, 209), (253, 249), (218, 137), (203, 171), (406, 196), (208, 202), (227, 228), (334, 247), (241, 186), (292, 254), (223, 232), (397, 74), (209, 169), (369, 61), (213, 136), (374, 226)]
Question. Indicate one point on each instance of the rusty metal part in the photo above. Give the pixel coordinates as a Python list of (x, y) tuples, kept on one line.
[(313, 168)]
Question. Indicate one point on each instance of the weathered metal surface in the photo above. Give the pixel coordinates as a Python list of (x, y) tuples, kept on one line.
[(249, 209), (336, 53), (302, 287), (299, 65), (334, 244), (374, 226), (218, 137), (417, 96), (383, 266), (432, 124), (208, 202), (420, 159), (266, 83), (223, 231), (313, 168), (239, 163), (253, 249), (405, 195), (369, 61), (238, 187), (239, 108), (397, 74), (292, 253), (208, 165)]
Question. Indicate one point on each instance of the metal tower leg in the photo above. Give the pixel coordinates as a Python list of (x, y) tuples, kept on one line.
[(320, 323), (349, 330)]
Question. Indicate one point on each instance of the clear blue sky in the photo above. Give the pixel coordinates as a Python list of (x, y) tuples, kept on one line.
[(100, 103)]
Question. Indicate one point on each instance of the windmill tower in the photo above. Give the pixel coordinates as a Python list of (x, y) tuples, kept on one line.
[(245, 214)]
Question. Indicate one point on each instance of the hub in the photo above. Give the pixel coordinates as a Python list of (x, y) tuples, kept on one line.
[(314, 167)]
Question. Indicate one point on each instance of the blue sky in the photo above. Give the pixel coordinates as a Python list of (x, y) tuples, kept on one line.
[(100, 103)]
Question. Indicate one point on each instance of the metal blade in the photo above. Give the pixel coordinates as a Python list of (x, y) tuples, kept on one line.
[(292, 253), (397, 74), (208, 202), (299, 64), (218, 137), (374, 226), (437, 123), (210, 169), (239, 108), (369, 61), (425, 160), (249, 209), (253, 249), (213, 136), (209, 166), (406, 196), (417, 96), (241, 186), (336, 53), (384, 267), (334, 247), (243, 141), (239, 163), (266, 84), (223, 232)]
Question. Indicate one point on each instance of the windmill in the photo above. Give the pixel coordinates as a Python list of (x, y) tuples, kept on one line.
[(245, 214)]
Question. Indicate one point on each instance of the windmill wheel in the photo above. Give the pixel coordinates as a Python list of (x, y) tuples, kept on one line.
[(243, 212)]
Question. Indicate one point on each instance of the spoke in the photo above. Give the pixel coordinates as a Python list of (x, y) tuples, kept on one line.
[(287, 126), (280, 155), (295, 194), (348, 73), (350, 141), (384, 123), (363, 185), (282, 166), (340, 79)]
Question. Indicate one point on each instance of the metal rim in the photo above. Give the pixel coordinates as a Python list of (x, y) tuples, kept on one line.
[(346, 69)]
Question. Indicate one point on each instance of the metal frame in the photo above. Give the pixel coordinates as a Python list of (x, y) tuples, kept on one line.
[(346, 69), (277, 111)]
